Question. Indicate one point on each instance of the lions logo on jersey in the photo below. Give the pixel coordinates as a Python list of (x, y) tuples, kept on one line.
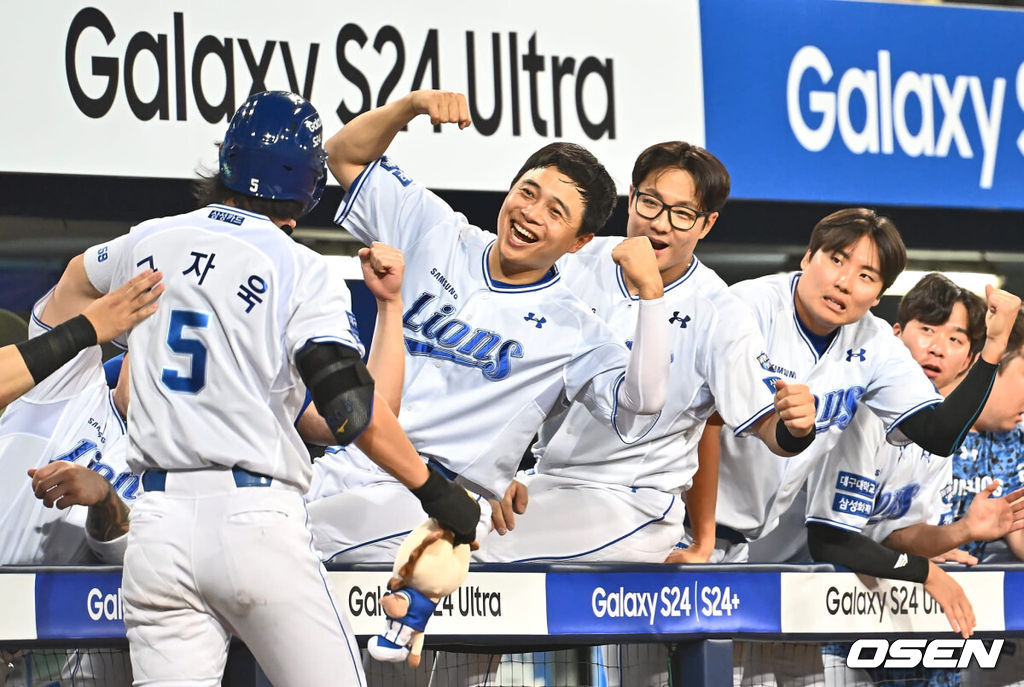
[(453, 340)]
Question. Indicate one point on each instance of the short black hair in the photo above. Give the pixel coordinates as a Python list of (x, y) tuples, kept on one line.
[(845, 227), (208, 188), (931, 302), (590, 176), (710, 177)]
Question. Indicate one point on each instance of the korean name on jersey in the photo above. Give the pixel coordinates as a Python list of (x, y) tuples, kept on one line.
[(214, 382)]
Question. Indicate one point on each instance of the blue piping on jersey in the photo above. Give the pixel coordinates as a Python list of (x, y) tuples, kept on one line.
[(603, 546), (367, 543), (837, 525), (330, 599), (919, 407), (615, 412), (802, 329), (117, 413), (549, 278), (683, 277), (350, 197), (40, 323), (757, 416)]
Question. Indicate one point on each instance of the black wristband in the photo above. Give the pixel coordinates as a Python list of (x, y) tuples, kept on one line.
[(917, 568), (45, 354), (789, 443), (434, 488), (450, 505)]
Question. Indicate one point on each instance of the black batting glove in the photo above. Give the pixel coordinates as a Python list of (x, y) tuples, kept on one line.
[(450, 505)]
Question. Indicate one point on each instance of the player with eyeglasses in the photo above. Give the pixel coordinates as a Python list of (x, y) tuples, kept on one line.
[(680, 216), (619, 501)]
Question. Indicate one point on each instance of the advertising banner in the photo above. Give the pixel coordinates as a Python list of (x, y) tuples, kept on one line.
[(146, 89), (859, 102)]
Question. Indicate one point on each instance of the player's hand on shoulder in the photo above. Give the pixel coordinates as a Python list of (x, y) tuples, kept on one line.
[(640, 265), (795, 405), (503, 513), (1003, 307), (126, 306), (383, 267), (63, 484), (443, 107)]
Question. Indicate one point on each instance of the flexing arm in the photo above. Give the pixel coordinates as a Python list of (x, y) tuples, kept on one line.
[(382, 271), (645, 387), (939, 429), (790, 428), (987, 518), (368, 136), (383, 267), (24, 365), (862, 555)]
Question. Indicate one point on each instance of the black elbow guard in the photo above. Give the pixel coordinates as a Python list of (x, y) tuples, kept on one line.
[(341, 387)]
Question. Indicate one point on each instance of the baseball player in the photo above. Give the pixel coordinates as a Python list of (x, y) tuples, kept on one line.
[(493, 336), (818, 330), (218, 543), (622, 502)]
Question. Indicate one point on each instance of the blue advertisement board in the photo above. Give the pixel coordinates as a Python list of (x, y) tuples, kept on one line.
[(868, 103), (86, 606), (663, 603)]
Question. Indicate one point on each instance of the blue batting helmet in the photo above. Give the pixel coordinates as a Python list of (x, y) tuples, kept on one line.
[(273, 149)]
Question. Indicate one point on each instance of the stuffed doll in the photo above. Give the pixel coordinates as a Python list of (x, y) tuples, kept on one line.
[(427, 569)]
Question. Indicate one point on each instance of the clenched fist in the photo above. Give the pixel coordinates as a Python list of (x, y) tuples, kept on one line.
[(640, 266)]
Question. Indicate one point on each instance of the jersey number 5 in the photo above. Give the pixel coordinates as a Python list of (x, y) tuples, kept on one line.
[(195, 380)]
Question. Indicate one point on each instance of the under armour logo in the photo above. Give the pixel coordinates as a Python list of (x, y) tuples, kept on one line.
[(850, 355), (681, 320), (533, 318)]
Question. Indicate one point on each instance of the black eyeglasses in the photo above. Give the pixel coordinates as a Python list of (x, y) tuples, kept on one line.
[(679, 216)]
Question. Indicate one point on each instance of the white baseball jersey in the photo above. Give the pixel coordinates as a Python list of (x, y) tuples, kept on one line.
[(717, 364), (69, 416), (863, 365), (870, 486), (486, 360), (215, 382)]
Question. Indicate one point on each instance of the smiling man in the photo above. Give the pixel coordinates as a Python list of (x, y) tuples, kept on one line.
[(618, 501), (493, 335)]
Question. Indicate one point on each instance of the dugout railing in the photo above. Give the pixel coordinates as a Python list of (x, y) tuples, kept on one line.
[(502, 609)]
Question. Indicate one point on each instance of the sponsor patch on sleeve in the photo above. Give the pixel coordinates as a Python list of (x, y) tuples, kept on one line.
[(852, 506), (856, 484)]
